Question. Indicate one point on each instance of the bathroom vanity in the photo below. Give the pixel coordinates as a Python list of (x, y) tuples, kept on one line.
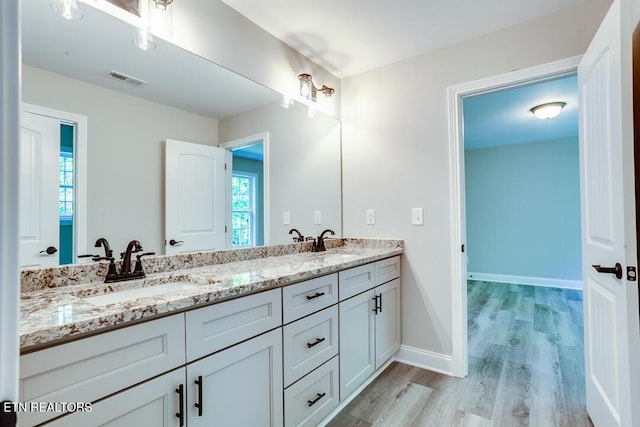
[(272, 336)]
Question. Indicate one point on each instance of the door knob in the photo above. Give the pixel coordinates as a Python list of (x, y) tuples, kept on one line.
[(49, 251), (617, 270), (174, 242)]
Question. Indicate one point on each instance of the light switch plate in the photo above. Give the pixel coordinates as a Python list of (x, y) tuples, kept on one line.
[(371, 216), (286, 218), (317, 217), (417, 216)]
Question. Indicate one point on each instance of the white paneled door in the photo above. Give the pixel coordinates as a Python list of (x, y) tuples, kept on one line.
[(608, 224), (38, 199), (194, 197)]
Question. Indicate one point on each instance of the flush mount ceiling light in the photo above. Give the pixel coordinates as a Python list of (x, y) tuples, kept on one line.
[(309, 91), (548, 110), (68, 9)]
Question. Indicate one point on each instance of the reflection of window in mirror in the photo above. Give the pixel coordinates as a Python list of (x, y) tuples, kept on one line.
[(66, 193), (243, 214)]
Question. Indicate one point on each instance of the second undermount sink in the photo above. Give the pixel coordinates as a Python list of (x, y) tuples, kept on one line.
[(134, 294)]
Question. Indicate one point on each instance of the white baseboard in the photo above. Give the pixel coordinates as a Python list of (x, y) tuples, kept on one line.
[(425, 359), (524, 280)]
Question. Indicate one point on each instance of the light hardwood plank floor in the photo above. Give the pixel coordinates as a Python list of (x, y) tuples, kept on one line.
[(526, 368)]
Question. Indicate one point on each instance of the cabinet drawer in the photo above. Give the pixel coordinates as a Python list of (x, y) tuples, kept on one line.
[(309, 296), (387, 269), (356, 280), (311, 399), (91, 368), (309, 342), (212, 328)]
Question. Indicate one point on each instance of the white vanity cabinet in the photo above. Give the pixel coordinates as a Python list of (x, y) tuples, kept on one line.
[(240, 386), (369, 320)]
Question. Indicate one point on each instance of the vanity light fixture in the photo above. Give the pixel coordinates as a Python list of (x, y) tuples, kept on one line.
[(162, 4), (309, 91), (160, 20), (68, 9), (548, 110)]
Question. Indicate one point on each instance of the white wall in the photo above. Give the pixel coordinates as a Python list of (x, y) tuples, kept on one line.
[(304, 166), (396, 153), (125, 154)]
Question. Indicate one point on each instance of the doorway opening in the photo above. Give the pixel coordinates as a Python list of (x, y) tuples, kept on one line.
[(456, 94), (247, 191)]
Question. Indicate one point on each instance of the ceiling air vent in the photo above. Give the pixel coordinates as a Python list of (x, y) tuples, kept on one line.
[(121, 77)]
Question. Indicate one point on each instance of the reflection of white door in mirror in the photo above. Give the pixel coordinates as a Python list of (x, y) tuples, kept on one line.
[(194, 197), (247, 192), (38, 204), (52, 223)]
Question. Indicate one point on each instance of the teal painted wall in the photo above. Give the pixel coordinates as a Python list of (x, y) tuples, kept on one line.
[(66, 227), (245, 165), (523, 210)]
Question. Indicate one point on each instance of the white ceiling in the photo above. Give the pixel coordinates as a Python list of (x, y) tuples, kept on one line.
[(348, 37), (504, 117)]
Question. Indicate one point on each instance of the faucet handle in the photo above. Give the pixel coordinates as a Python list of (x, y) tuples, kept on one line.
[(138, 267), (144, 254)]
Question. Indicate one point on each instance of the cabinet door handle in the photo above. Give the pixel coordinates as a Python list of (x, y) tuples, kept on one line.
[(316, 342), (314, 401), (378, 308), (199, 404), (180, 414), (318, 294)]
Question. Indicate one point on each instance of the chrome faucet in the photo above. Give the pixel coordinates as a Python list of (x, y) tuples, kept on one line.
[(300, 237)]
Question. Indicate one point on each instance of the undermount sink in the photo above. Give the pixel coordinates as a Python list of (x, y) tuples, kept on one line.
[(134, 294)]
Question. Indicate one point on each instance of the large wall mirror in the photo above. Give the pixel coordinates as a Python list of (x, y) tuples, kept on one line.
[(113, 106)]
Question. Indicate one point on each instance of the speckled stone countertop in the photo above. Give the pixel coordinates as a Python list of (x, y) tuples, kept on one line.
[(53, 305)]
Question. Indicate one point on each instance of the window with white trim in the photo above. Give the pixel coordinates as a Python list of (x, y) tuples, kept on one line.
[(243, 209)]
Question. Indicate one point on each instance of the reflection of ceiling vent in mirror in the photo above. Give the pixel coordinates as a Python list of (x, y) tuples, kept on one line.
[(121, 77)]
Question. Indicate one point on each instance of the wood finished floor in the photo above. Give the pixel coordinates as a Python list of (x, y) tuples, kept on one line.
[(526, 368)]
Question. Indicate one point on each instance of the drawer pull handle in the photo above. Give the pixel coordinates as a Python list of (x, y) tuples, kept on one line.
[(318, 294), (314, 401), (316, 342), (198, 404), (180, 414)]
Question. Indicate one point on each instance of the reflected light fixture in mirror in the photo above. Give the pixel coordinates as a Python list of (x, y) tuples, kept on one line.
[(548, 110), (68, 9), (160, 18), (309, 91), (143, 39)]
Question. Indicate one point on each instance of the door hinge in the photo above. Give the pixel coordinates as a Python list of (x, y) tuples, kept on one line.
[(225, 228), (462, 247), (631, 274), (225, 166)]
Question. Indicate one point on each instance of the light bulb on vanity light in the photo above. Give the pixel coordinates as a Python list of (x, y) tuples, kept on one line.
[(68, 9), (160, 18), (143, 39)]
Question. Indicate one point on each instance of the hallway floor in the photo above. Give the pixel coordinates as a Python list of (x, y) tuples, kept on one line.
[(526, 368)]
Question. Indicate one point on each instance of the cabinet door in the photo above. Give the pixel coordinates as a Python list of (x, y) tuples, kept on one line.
[(387, 321), (240, 386), (153, 403), (357, 360)]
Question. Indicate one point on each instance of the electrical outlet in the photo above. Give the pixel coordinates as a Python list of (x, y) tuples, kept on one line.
[(371, 216), (286, 218), (317, 217), (417, 216)]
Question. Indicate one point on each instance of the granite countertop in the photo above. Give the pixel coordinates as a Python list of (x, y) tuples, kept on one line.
[(53, 314)]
